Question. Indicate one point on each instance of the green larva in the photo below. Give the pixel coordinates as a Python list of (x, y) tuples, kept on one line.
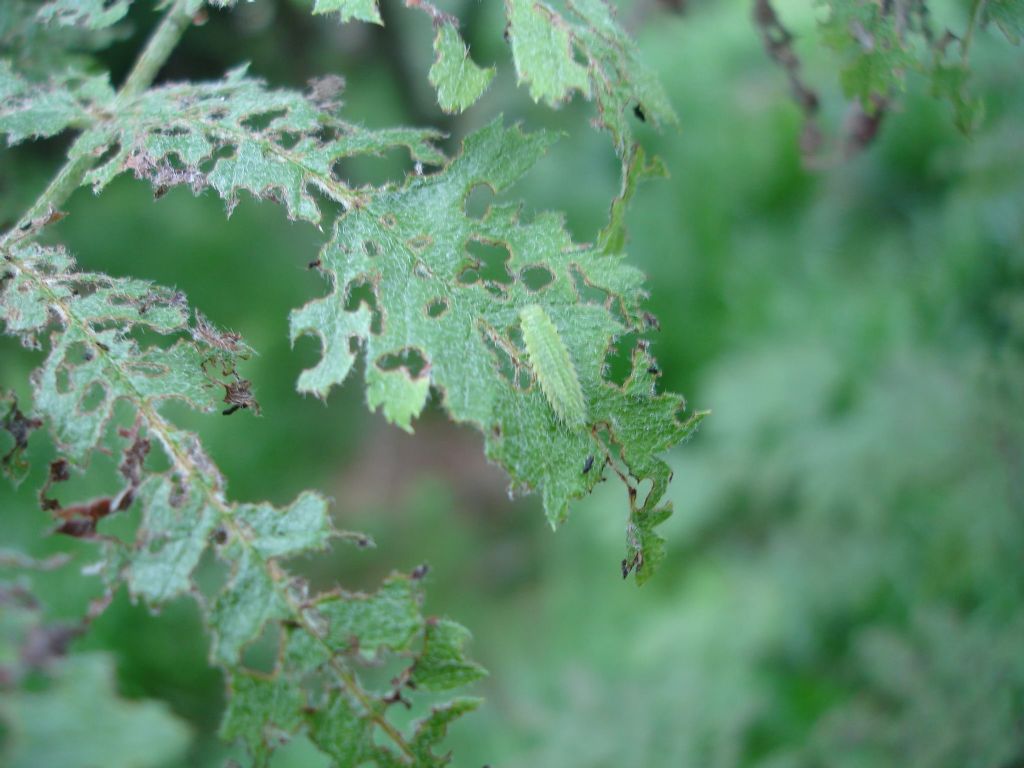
[(552, 366)]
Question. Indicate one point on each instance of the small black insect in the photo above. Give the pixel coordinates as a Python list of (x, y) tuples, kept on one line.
[(653, 370), (639, 112), (588, 464), (313, 264)]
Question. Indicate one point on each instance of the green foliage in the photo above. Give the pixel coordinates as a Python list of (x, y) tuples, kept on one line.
[(881, 44), (545, 44), (539, 342), (459, 82), (450, 314), (119, 350), (37, 110), (94, 14), (210, 135), (66, 711)]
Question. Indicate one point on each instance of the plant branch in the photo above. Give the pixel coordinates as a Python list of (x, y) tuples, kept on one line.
[(169, 437), (153, 56)]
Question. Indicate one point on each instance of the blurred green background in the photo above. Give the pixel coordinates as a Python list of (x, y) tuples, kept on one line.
[(844, 584)]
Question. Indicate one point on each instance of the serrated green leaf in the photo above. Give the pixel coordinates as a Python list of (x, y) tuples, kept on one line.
[(301, 527), (364, 10), (41, 110), (344, 734), (543, 51), (442, 665), (586, 50), (401, 395), (235, 135), (93, 359), (431, 730), (174, 534), (259, 709), (387, 618), (414, 246), (92, 14), (874, 58), (251, 598), (458, 80), (90, 319)]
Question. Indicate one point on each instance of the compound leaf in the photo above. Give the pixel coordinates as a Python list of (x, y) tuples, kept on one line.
[(584, 49), (451, 289), (40, 110), (235, 134), (91, 321)]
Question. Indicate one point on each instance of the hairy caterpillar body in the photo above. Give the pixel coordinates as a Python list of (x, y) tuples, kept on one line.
[(552, 366)]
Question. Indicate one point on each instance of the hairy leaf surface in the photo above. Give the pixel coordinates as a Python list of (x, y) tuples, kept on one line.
[(95, 325), (235, 134), (545, 44), (458, 80), (40, 110), (449, 291)]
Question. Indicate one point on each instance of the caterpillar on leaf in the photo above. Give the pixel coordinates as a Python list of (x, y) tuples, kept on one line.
[(552, 366)]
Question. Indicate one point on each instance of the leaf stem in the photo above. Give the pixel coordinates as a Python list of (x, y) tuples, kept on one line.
[(977, 11), (161, 43)]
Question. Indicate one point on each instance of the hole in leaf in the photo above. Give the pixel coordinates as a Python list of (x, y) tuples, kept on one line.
[(390, 166), (437, 307), (478, 201), (288, 139), (618, 361), (589, 294), (492, 260), (370, 248), (388, 221), (503, 361), (363, 292), (643, 490), (261, 654), (536, 278), (262, 120), (468, 276), (63, 377), (409, 358), (108, 154), (92, 398)]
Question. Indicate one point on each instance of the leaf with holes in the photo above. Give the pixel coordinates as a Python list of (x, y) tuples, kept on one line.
[(584, 49), (235, 134), (364, 10), (452, 289), (92, 323), (40, 110)]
